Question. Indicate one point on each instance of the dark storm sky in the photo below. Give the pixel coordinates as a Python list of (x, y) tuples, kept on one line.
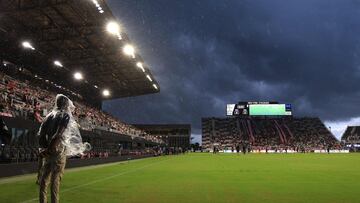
[(208, 53)]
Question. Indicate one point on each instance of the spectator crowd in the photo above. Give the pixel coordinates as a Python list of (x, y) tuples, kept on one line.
[(23, 99), (297, 134)]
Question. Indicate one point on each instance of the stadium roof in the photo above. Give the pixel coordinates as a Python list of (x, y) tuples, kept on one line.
[(74, 33)]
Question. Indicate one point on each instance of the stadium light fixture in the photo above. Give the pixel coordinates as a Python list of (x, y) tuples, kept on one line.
[(155, 86), (78, 76), (149, 78), (57, 63), (129, 50), (27, 45), (106, 92), (98, 6), (140, 65), (113, 28)]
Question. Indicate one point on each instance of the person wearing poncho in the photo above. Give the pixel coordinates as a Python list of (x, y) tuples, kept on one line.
[(59, 137)]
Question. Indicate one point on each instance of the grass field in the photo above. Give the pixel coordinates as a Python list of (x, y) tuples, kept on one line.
[(200, 178)]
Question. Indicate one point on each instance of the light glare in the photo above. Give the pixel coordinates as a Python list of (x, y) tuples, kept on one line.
[(78, 76), (106, 92), (148, 77), (57, 63), (113, 28), (140, 65), (129, 50), (27, 45)]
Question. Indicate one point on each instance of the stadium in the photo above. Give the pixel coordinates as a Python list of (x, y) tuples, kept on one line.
[(77, 50), (264, 128)]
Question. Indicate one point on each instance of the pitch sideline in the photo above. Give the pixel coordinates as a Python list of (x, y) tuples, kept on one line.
[(17, 178), (102, 179)]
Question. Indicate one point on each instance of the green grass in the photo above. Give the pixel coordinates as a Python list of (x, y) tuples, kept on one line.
[(204, 177)]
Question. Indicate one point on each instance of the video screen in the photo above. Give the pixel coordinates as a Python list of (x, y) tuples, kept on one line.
[(270, 110), (258, 109)]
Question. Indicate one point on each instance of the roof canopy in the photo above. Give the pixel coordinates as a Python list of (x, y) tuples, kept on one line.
[(74, 33)]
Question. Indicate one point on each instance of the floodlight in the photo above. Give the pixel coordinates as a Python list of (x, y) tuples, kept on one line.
[(155, 86), (106, 92), (78, 76), (140, 65), (148, 77), (27, 45), (129, 50), (113, 28), (96, 86), (57, 63)]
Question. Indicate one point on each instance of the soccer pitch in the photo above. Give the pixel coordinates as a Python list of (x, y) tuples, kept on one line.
[(201, 177)]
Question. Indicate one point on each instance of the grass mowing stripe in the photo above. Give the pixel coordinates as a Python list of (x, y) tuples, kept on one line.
[(103, 179)]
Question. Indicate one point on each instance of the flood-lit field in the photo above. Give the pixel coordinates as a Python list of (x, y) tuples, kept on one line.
[(206, 178)]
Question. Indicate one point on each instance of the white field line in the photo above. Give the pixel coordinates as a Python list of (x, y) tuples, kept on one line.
[(102, 179)]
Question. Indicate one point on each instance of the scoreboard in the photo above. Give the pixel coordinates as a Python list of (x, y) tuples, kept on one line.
[(259, 109)]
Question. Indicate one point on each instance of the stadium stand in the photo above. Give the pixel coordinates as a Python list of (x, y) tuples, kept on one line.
[(75, 48), (76, 35), (24, 99), (351, 138), (298, 134), (174, 135), (351, 134)]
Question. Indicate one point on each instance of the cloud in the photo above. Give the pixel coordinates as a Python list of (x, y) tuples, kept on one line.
[(206, 54), (338, 127), (196, 138)]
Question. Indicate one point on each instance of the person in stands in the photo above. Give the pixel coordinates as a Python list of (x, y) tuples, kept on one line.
[(5, 136)]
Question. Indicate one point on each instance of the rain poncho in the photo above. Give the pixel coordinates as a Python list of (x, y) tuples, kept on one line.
[(71, 137)]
